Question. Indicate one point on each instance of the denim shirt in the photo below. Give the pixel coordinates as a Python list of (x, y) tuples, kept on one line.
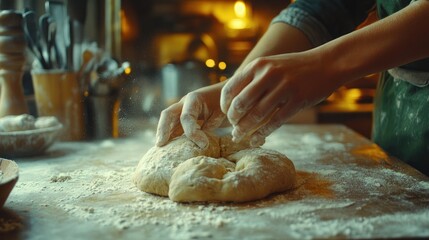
[(401, 106), (324, 20)]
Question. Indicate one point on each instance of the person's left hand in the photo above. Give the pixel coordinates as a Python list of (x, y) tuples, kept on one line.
[(269, 90), (195, 113)]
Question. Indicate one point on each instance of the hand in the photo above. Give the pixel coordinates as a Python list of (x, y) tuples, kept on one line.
[(201, 104), (269, 90)]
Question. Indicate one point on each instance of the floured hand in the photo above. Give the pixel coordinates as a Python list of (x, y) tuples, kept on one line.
[(269, 90), (201, 104)]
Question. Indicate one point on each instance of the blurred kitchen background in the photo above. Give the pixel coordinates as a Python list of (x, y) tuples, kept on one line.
[(175, 46)]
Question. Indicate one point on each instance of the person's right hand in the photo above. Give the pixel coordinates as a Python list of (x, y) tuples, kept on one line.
[(201, 104), (269, 90)]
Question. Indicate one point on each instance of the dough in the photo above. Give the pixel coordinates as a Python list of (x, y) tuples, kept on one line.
[(14, 123), (46, 122), (25, 122), (224, 172), (157, 165)]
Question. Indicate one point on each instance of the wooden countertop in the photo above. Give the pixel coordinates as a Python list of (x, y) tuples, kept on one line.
[(348, 188)]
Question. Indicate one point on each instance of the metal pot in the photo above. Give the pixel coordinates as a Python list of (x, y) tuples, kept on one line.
[(182, 77)]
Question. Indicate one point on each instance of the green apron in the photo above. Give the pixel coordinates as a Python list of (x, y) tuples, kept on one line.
[(401, 113)]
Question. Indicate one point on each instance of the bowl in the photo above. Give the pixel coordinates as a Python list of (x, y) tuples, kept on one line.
[(8, 177), (29, 142)]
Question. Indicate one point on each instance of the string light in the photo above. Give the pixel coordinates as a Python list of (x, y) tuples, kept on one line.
[(222, 65), (210, 63)]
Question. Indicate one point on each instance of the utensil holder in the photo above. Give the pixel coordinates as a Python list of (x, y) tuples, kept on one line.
[(59, 94)]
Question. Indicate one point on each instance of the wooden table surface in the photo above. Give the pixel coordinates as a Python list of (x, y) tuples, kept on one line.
[(348, 188)]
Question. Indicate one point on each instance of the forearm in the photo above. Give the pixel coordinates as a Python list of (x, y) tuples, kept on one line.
[(394, 41), (279, 38)]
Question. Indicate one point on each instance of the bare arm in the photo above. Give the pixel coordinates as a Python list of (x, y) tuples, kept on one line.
[(276, 87), (203, 103), (396, 40), (279, 38)]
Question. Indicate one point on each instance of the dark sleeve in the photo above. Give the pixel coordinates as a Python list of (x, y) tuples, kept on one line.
[(339, 17)]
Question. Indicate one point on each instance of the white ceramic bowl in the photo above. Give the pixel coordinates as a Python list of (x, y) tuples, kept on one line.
[(9, 173), (28, 143)]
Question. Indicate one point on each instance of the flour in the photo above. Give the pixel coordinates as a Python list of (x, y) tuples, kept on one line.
[(1, 176), (60, 178), (336, 200)]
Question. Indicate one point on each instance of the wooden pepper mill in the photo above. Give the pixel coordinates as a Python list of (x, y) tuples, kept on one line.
[(12, 60)]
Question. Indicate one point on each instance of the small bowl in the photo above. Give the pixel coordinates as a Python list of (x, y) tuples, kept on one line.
[(9, 173), (29, 142)]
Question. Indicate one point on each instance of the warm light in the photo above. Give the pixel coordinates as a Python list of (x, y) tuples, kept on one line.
[(240, 9), (222, 78), (128, 31), (241, 20), (210, 63), (237, 24), (222, 65), (127, 70), (352, 95)]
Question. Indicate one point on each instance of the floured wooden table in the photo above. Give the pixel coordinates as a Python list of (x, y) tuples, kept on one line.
[(348, 188)]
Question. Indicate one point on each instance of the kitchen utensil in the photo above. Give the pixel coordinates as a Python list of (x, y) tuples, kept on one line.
[(28, 143), (87, 57), (85, 68), (55, 54), (77, 13), (58, 12), (12, 99), (32, 35), (12, 60), (44, 22), (9, 173), (70, 46), (109, 80)]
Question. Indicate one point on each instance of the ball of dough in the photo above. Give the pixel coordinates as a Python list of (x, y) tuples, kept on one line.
[(155, 169), (46, 122), (14, 123), (199, 179), (250, 174), (224, 172)]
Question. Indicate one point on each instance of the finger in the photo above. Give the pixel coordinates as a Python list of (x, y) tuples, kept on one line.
[(261, 113), (279, 118), (168, 122), (193, 107), (233, 87), (245, 101), (177, 131), (257, 140), (214, 121)]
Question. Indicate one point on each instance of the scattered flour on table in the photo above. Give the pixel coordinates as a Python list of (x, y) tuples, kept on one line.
[(60, 178), (108, 198), (317, 147), (105, 195)]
